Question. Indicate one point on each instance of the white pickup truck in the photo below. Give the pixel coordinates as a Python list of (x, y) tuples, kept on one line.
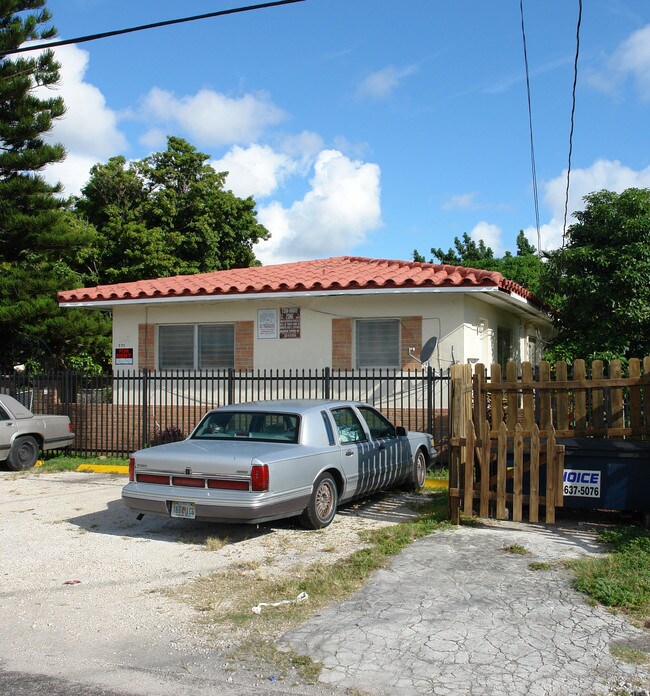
[(23, 434)]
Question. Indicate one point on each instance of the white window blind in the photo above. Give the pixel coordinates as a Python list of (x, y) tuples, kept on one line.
[(196, 346), (377, 343), (176, 347), (216, 346)]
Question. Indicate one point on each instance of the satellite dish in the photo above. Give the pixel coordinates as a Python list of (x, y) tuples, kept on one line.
[(427, 349)]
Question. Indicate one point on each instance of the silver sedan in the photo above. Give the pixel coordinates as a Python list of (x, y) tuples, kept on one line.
[(267, 460)]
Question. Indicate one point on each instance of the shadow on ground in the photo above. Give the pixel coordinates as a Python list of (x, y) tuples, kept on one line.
[(116, 519)]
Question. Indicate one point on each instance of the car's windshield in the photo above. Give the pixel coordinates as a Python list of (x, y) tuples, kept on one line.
[(248, 425)]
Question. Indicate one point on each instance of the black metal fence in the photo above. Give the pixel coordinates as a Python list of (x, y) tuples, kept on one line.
[(117, 414)]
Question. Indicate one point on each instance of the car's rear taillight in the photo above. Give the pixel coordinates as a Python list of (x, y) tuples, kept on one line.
[(69, 427), (260, 477), (131, 469)]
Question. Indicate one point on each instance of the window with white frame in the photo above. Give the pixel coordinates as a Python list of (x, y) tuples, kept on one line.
[(377, 343), (196, 346)]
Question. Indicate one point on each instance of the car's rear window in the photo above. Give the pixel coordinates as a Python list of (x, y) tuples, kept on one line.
[(248, 425)]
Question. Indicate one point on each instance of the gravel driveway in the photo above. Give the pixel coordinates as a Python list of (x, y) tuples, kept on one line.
[(82, 581), (83, 600)]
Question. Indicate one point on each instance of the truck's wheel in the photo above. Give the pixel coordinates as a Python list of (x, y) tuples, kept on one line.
[(23, 453)]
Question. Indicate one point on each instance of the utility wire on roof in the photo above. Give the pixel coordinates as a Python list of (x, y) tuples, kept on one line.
[(154, 25), (530, 128), (573, 110)]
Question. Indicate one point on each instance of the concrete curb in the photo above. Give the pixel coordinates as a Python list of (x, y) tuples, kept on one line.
[(104, 468), (97, 468), (436, 483)]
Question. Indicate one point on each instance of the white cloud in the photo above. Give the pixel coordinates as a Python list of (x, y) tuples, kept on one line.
[(342, 206), (211, 118), (462, 201), (490, 234), (603, 174), (89, 128), (630, 59), (256, 170), (382, 83)]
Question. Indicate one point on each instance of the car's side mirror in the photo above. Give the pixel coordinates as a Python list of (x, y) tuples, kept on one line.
[(401, 431)]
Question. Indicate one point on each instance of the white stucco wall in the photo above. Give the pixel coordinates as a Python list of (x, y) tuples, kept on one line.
[(453, 318)]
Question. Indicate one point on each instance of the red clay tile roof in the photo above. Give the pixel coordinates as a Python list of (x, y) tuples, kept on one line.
[(337, 273)]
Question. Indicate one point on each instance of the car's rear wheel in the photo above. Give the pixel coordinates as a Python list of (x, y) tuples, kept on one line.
[(418, 471), (322, 505), (23, 453)]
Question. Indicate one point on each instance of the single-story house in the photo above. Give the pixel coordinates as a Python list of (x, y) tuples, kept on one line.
[(344, 313)]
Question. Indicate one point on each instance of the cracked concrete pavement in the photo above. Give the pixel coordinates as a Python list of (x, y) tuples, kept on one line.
[(456, 613)]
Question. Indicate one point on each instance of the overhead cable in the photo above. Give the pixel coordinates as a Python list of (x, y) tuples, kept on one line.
[(573, 110), (530, 129), (154, 25)]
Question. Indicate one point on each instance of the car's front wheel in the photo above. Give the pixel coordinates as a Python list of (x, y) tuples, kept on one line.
[(418, 471), (322, 505), (23, 453)]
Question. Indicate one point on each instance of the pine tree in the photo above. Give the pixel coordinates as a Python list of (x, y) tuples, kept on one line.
[(37, 242)]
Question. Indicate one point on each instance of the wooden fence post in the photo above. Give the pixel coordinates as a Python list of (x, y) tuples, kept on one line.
[(562, 396), (580, 398), (551, 476), (484, 509), (616, 395), (634, 370), (468, 484), (518, 475), (502, 453), (533, 501)]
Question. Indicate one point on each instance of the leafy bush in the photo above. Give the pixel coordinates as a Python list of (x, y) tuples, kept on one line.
[(169, 434)]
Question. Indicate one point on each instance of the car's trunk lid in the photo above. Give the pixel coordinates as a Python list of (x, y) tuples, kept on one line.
[(205, 457)]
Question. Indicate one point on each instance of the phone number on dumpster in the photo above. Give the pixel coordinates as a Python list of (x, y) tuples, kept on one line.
[(581, 483)]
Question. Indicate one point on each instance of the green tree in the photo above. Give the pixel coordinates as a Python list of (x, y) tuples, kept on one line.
[(599, 282), (524, 268), (167, 214), (37, 245)]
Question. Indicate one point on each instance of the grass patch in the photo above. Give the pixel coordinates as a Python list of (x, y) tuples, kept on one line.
[(632, 656), (540, 565), (437, 474), (70, 463), (622, 578), (517, 549), (225, 599)]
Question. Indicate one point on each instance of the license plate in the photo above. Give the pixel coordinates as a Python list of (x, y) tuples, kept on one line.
[(186, 511)]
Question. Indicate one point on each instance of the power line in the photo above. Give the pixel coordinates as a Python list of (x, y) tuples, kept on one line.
[(573, 110), (530, 128), (154, 25)]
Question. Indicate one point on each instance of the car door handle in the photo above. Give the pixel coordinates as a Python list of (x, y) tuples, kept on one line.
[(349, 453)]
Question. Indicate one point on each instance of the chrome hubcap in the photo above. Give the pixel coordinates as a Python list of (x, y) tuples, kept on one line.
[(421, 469), (324, 500)]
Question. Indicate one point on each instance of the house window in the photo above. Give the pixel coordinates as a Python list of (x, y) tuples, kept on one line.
[(504, 346), (196, 346), (377, 343)]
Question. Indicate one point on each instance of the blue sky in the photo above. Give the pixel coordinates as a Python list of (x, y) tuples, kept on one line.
[(369, 127)]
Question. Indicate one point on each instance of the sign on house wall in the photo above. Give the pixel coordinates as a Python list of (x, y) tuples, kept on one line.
[(123, 356), (289, 322), (267, 323)]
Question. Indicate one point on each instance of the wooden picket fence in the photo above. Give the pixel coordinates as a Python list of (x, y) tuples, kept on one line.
[(512, 461)]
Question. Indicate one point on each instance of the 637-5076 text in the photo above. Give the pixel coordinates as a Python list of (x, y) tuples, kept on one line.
[(585, 484)]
